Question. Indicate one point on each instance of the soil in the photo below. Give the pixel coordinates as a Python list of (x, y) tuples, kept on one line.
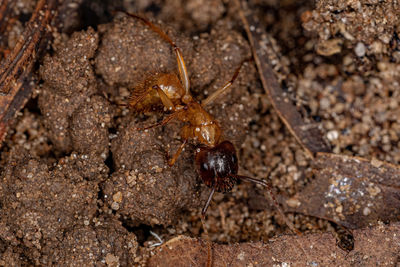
[(80, 185)]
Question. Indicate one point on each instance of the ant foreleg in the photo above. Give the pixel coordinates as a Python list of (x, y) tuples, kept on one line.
[(183, 74), (164, 99), (226, 86), (172, 160)]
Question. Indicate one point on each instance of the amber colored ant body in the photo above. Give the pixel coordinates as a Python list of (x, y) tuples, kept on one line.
[(215, 158)]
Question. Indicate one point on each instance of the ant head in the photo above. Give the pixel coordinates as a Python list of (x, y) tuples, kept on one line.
[(218, 166)]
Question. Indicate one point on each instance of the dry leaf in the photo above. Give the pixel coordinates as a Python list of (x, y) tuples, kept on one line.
[(321, 250)]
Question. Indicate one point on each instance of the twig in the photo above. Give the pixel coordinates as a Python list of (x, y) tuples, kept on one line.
[(15, 71)]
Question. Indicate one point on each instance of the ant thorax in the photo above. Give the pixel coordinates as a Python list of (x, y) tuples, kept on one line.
[(201, 125)]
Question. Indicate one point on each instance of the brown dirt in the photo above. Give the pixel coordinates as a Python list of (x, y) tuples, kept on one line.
[(80, 185)]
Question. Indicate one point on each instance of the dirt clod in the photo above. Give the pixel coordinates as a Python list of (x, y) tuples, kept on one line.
[(89, 126), (143, 188), (130, 51), (69, 81), (104, 243), (58, 199)]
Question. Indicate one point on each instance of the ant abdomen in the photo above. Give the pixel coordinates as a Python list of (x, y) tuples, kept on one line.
[(148, 95), (218, 166)]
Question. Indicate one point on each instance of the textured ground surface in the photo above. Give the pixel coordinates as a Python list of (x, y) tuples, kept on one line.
[(80, 185)]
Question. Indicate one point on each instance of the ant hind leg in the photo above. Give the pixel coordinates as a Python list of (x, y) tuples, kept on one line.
[(183, 74), (165, 121), (186, 134)]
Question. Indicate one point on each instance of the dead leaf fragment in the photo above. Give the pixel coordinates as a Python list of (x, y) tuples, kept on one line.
[(306, 133), (352, 191), (321, 250)]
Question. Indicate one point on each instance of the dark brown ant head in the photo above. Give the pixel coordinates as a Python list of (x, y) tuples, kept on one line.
[(218, 166)]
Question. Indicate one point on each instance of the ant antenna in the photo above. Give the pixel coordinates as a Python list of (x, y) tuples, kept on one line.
[(277, 207), (272, 195)]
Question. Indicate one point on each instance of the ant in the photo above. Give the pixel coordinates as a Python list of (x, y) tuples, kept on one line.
[(216, 158)]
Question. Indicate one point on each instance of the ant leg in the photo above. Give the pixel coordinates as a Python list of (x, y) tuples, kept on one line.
[(172, 161), (226, 86), (183, 74), (161, 123), (164, 98)]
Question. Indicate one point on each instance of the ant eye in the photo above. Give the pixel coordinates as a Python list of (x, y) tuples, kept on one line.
[(234, 159)]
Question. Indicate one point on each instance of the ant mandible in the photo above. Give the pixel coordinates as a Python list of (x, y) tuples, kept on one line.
[(215, 158)]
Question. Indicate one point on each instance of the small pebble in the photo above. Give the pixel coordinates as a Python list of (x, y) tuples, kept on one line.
[(111, 259), (324, 103), (332, 135), (293, 203), (115, 206), (117, 197), (376, 163), (366, 211), (360, 49), (339, 209)]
